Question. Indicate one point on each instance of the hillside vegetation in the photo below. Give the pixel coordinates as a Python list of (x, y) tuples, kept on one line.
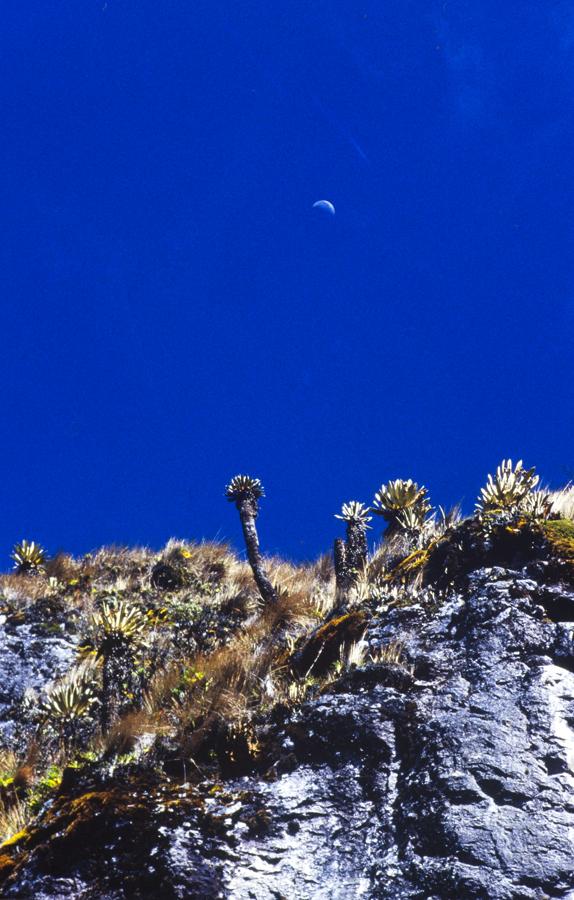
[(175, 663)]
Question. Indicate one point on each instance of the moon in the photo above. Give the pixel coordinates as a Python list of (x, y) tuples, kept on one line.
[(326, 205)]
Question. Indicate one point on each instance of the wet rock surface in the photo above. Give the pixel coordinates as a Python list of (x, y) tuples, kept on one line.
[(452, 777)]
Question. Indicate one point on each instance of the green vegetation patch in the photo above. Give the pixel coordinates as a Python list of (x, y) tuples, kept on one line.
[(45, 788), (560, 535)]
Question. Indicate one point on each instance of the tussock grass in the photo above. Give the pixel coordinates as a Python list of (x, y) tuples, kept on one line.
[(392, 653), (563, 502), (14, 819), (216, 659)]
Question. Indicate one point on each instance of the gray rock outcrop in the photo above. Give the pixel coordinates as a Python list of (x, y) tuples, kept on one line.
[(450, 777)]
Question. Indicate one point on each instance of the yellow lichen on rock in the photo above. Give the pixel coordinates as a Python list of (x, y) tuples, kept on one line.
[(14, 839)]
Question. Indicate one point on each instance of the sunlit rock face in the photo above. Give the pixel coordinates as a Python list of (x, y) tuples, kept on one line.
[(30, 657), (461, 785), (452, 780)]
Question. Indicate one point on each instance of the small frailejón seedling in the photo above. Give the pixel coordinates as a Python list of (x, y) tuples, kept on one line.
[(507, 488), (509, 496), (246, 492), (66, 706), (29, 558)]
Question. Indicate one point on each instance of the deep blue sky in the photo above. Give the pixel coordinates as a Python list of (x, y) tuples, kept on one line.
[(174, 311)]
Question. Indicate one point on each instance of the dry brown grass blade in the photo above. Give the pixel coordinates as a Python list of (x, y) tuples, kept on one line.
[(14, 818), (122, 738)]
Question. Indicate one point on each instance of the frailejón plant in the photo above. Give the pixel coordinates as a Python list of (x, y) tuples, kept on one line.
[(29, 558), (246, 492), (394, 498), (357, 517)]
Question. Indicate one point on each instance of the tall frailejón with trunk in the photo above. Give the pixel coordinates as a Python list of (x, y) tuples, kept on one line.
[(246, 492), (351, 556)]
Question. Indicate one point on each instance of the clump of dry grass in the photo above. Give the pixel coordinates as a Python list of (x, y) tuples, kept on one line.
[(108, 564), (207, 695), (63, 567), (14, 819), (199, 695), (385, 555), (211, 561), (392, 653), (359, 654), (19, 590), (354, 655), (138, 728), (14, 778), (563, 502), (9, 765)]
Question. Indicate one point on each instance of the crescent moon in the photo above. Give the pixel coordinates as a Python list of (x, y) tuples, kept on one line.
[(326, 205)]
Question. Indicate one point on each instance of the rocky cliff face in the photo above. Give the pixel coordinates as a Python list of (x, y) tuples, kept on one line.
[(29, 658), (449, 777)]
